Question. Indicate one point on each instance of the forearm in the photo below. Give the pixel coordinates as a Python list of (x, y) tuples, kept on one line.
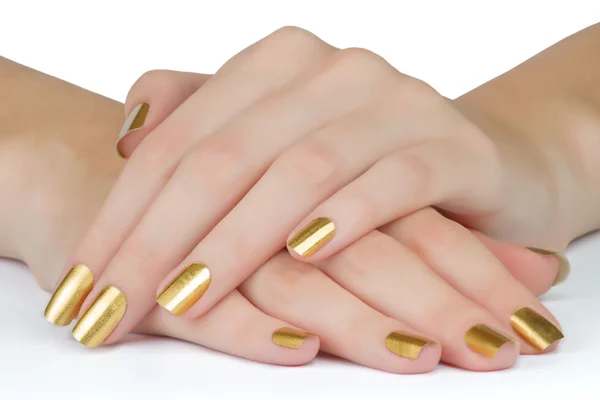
[(550, 107), (56, 143)]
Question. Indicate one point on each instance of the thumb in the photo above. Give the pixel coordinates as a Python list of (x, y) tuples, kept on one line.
[(151, 99)]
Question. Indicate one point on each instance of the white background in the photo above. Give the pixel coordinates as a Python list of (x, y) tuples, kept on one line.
[(454, 45)]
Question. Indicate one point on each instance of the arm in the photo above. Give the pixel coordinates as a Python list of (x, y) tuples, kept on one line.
[(56, 165), (550, 107), (69, 167)]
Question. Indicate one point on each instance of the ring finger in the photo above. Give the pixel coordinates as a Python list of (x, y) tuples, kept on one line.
[(393, 280), (346, 326), (451, 251)]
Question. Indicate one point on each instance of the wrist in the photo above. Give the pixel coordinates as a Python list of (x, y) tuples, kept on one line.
[(550, 141), (56, 161)]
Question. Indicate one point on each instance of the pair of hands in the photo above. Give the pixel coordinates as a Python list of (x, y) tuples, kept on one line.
[(290, 131)]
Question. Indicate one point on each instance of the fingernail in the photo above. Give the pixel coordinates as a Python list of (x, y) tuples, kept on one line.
[(535, 329), (135, 120), (186, 289), (564, 266), (485, 340), (70, 295), (290, 338), (406, 345), (312, 237), (101, 318)]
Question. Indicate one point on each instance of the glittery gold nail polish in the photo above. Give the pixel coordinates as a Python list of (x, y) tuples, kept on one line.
[(312, 237), (535, 329), (101, 318), (290, 338), (485, 340), (564, 265), (70, 295), (406, 345), (186, 289), (135, 120)]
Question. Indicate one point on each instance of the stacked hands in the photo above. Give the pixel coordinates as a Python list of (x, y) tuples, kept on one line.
[(386, 193)]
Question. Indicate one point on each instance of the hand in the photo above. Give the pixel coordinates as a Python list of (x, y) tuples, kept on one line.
[(135, 228), (287, 290), (348, 327)]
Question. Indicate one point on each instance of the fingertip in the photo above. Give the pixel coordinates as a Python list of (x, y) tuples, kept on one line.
[(132, 127), (298, 347), (537, 269), (428, 359), (306, 241), (506, 356), (125, 146), (559, 261), (311, 345)]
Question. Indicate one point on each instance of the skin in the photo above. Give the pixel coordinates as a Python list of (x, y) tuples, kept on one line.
[(355, 141), (50, 117)]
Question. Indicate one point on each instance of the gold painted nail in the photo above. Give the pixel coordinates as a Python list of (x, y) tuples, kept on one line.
[(564, 265), (186, 289), (406, 345), (534, 329), (135, 120), (101, 318), (485, 340), (312, 237), (290, 338), (70, 295)]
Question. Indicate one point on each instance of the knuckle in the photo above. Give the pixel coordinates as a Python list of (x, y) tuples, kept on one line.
[(151, 82), (154, 155), (243, 247), (361, 63), (282, 280), (287, 45), (356, 260), (294, 277), (448, 236), (293, 35), (142, 253), (417, 175), (313, 166), (416, 87), (149, 78), (218, 162)]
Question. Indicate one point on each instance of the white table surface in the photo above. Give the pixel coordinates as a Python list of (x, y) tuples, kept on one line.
[(41, 361)]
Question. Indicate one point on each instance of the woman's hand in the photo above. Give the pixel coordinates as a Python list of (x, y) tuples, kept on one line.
[(317, 128)]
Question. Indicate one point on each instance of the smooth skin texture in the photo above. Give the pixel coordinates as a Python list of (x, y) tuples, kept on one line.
[(383, 291), (207, 155), (236, 325)]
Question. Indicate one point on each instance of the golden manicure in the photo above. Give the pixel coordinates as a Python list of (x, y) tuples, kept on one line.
[(135, 120), (535, 329), (406, 345), (101, 318), (70, 295), (564, 265), (485, 340), (312, 237), (290, 338), (186, 289)]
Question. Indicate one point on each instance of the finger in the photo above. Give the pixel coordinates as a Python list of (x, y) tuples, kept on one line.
[(537, 269), (152, 250), (238, 84), (242, 239), (346, 326), (151, 99), (393, 280), (427, 173), (451, 251), (238, 328)]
